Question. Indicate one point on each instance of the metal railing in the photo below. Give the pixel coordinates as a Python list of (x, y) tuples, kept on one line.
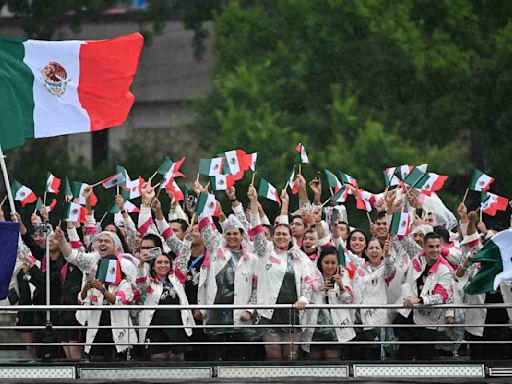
[(292, 327)]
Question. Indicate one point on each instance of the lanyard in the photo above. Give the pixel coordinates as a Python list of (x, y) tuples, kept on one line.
[(195, 262)]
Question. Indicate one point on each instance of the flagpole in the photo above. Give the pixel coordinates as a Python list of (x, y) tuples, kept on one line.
[(103, 218), (480, 209), (253, 176), (117, 189), (197, 178), (96, 184), (44, 199), (300, 168), (153, 175), (369, 218), (3, 201), (465, 195), (6, 181)]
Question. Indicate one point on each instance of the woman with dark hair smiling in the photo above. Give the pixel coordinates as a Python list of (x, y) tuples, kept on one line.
[(285, 276), (159, 285), (336, 289)]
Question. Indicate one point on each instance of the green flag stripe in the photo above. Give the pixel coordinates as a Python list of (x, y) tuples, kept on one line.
[(16, 99), (491, 264)]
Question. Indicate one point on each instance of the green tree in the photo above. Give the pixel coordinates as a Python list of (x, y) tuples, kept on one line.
[(363, 85)]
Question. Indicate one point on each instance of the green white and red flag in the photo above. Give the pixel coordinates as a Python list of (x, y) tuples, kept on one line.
[(132, 188), (109, 271), (333, 181), (403, 170), (268, 191), (365, 200), (340, 196), (480, 181), (74, 212), (52, 183), (291, 182), (68, 192), (112, 181), (206, 205), (169, 167), (53, 88), (211, 167), (236, 161), (495, 264), (250, 160), (492, 203), (303, 156), (390, 177), (434, 183), (416, 178), (49, 208), (222, 182), (347, 179), (175, 190), (22, 193), (123, 171), (401, 222), (78, 193), (128, 207)]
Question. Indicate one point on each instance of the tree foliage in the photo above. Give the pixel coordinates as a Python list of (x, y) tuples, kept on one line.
[(364, 85)]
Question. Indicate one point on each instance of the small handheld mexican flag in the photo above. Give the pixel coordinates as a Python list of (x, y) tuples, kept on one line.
[(495, 264), (211, 167), (333, 181), (401, 222), (303, 155), (175, 190), (78, 193), (74, 212), (68, 193), (109, 271), (390, 177), (492, 203), (49, 208), (206, 205), (291, 184), (22, 193), (128, 207), (170, 169), (416, 178), (222, 182), (250, 160), (112, 181), (365, 200), (52, 183), (340, 196), (347, 179), (131, 189), (434, 183), (236, 161), (480, 181), (267, 190)]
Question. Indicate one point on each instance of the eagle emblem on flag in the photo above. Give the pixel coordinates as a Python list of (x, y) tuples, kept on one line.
[(55, 78)]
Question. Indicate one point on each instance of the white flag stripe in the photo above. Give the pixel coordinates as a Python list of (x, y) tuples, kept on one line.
[(72, 117)]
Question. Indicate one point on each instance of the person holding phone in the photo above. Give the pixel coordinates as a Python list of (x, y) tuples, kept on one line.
[(158, 284), (336, 289)]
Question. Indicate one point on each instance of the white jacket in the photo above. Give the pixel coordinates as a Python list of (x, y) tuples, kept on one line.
[(151, 290), (118, 317), (272, 268), (216, 259), (340, 316)]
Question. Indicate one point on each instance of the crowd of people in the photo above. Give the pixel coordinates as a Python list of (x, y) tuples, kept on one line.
[(309, 256)]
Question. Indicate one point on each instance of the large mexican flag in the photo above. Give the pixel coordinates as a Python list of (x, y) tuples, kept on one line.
[(52, 88)]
